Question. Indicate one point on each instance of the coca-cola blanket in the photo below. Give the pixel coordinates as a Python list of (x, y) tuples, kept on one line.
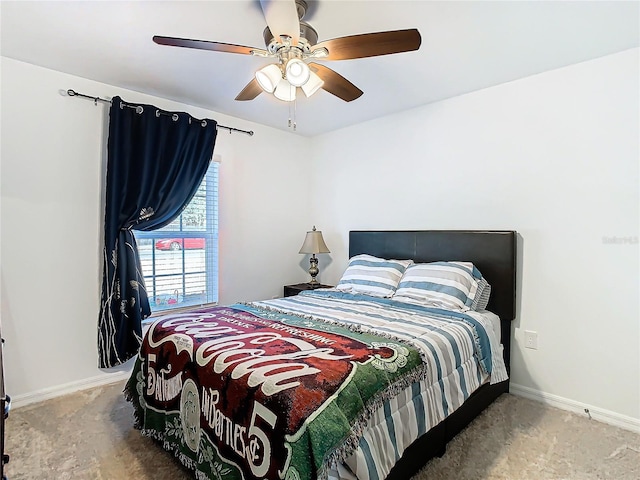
[(240, 392)]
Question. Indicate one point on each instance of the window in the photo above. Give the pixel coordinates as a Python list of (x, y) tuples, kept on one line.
[(180, 261)]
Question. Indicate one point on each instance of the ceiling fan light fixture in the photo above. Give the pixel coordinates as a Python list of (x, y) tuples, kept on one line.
[(313, 84), (297, 72), (269, 77), (285, 91)]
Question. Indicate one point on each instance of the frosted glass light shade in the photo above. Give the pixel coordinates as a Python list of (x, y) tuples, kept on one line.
[(269, 77), (285, 91), (297, 72), (312, 85)]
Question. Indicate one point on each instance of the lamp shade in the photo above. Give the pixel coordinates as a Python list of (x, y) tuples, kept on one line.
[(314, 243), (312, 85), (297, 72), (268, 77), (285, 91)]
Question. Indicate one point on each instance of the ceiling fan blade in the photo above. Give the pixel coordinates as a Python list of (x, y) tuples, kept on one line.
[(282, 18), (371, 44), (335, 83), (251, 91), (203, 45)]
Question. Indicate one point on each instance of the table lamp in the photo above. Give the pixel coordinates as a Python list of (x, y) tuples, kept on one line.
[(314, 243)]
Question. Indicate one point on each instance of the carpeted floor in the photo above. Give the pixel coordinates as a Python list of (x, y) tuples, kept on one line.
[(89, 435)]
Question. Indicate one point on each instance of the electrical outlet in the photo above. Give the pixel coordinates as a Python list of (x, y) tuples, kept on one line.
[(531, 339)]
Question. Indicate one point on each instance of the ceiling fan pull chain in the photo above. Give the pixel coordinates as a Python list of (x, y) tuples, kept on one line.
[(295, 105), (292, 123), (292, 118)]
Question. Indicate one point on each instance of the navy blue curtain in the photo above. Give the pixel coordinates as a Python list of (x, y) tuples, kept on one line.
[(156, 161)]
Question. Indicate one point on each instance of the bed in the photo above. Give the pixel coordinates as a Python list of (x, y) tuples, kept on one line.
[(335, 383)]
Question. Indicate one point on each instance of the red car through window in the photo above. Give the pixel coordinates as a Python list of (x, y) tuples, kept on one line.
[(180, 243)]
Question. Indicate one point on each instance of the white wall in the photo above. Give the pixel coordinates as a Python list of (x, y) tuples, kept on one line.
[(553, 156), (51, 219)]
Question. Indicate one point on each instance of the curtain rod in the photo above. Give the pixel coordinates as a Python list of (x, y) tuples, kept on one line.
[(73, 93)]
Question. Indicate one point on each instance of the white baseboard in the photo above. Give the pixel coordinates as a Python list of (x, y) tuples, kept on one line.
[(596, 413), (67, 388)]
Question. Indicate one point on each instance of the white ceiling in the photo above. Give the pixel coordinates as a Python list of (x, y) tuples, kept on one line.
[(466, 46)]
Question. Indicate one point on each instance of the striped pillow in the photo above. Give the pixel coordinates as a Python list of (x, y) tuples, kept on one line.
[(451, 285), (372, 275), (482, 296)]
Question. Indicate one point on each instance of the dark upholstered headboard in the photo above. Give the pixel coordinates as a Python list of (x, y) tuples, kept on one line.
[(493, 252)]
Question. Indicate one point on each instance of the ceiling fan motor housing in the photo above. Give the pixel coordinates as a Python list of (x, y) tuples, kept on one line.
[(307, 32), (308, 35)]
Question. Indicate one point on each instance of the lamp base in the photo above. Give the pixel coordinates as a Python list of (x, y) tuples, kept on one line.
[(313, 269)]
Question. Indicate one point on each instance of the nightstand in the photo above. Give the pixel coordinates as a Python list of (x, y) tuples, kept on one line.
[(291, 290)]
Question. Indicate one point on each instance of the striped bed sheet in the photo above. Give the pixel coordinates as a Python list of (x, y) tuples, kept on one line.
[(457, 368)]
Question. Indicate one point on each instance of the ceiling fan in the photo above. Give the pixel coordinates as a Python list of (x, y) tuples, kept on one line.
[(293, 43)]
